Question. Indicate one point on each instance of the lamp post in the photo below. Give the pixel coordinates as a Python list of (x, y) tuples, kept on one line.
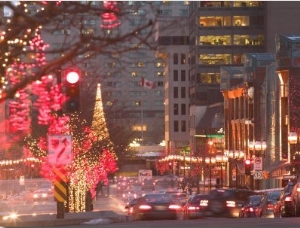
[(210, 161), (221, 160), (293, 139), (134, 145), (259, 149), (237, 156)]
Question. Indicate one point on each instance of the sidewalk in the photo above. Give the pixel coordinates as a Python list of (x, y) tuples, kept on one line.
[(47, 220)]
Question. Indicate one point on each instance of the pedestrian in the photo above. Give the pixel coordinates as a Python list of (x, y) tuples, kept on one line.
[(190, 190)]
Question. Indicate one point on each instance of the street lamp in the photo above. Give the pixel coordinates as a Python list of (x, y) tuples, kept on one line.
[(134, 145), (236, 155), (293, 139), (260, 148), (221, 160), (210, 161)]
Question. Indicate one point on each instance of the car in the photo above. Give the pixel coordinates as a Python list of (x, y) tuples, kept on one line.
[(195, 206), (284, 206), (42, 194), (227, 202), (266, 206), (148, 184), (155, 206), (6, 212), (129, 206), (296, 199), (179, 197), (248, 209)]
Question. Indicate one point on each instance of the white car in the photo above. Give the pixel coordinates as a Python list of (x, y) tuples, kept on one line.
[(41, 194)]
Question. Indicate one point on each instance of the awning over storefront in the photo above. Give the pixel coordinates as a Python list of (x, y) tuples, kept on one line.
[(279, 168), (213, 118), (150, 154)]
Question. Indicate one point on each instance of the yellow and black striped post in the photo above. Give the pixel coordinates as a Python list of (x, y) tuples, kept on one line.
[(60, 190)]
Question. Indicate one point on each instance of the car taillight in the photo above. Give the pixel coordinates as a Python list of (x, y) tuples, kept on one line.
[(298, 189), (174, 207), (270, 206), (193, 208), (203, 203), (44, 195), (250, 209), (145, 207), (230, 204), (288, 198)]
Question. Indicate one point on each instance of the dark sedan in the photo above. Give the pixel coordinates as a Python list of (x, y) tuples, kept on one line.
[(248, 209), (156, 206), (129, 206), (195, 206), (284, 206), (265, 208)]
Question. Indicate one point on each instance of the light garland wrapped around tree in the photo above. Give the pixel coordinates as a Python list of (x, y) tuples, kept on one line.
[(87, 169)]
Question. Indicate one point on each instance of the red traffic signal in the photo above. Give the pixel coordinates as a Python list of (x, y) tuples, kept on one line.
[(72, 77), (247, 162), (72, 89), (248, 167)]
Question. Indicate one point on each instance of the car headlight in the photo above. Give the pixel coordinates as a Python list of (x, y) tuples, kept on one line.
[(12, 216)]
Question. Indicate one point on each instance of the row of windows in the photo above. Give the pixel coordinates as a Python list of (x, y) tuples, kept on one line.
[(183, 59), (116, 84), (159, 3), (180, 126), (183, 77), (237, 20), (87, 31), (230, 3), (231, 40), (183, 108), (145, 103), (183, 92), (220, 59), (173, 40), (138, 64), (209, 78), (137, 74)]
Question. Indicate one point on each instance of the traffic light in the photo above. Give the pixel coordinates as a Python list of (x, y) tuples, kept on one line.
[(248, 167), (72, 90)]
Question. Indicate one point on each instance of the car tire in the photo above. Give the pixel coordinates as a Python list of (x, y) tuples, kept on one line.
[(280, 214), (180, 216), (297, 210)]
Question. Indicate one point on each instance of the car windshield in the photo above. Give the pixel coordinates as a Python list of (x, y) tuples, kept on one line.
[(157, 198), (196, 200), (274, 195), (254, 200), (221, 193)]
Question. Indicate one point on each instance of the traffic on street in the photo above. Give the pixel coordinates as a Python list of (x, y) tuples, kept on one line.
[(165, 204)]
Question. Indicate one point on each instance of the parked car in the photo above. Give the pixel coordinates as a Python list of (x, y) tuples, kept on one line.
[(266, 206), (296, 199), (195, 206), (227, 202), (284, 206), (155, 206), (248, 209)]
